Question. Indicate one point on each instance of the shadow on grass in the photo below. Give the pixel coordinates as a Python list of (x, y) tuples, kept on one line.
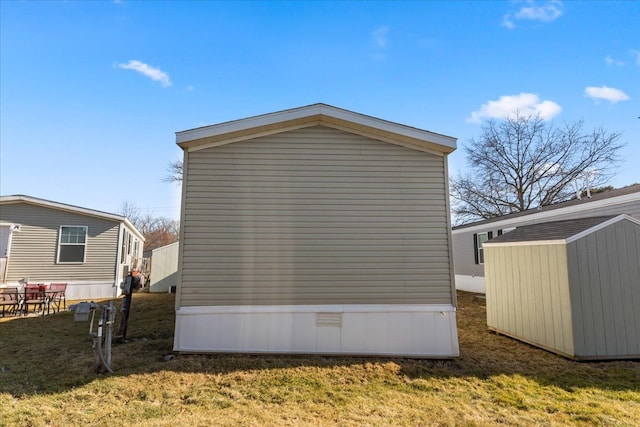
[(52, 354)]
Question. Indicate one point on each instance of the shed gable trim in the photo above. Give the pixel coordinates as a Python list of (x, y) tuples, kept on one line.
[(601, 226), (573, 238), (525, 243), (313, 115)]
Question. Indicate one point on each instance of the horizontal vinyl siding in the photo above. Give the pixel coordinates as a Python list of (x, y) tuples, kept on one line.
[(465, 259), (34, 248), (314, 216)]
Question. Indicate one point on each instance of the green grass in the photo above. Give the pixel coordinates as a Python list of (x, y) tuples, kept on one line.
[(47, 378)]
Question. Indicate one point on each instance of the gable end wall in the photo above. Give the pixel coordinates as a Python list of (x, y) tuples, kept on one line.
[(314, 216)]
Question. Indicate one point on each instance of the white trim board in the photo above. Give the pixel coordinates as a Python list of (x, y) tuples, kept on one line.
[(474, 284), (385, 329)]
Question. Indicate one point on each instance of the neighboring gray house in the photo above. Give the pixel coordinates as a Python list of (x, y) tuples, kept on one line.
[(571, 287), (468, 239), (43, 241), (164, 268), (315, 230)]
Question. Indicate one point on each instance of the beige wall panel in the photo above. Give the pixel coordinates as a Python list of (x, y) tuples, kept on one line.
[(314, 216), (34, 248), (527, 294)]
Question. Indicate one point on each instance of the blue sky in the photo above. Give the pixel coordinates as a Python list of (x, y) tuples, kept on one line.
[(92, 93)]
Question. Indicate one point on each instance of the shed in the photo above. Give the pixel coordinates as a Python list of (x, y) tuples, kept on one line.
[(315, 230), (164, 268), (571, 287)]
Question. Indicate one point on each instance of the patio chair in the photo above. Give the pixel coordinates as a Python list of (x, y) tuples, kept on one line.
[(9, 300), (34, 295), (59, 296)]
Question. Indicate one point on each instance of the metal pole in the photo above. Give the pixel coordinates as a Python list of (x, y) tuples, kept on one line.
[(110, 319)]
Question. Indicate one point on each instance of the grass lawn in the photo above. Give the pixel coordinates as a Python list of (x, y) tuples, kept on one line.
[(47, 378)]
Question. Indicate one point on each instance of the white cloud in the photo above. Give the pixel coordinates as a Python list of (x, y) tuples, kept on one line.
[(379, 36), (610, 61), (546, 11), (610, 94), (147, 70), (636, 54), (509, 105), (379, 39), (507, 22)]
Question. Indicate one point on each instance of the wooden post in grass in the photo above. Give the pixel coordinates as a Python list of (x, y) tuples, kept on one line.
[(132, 281)]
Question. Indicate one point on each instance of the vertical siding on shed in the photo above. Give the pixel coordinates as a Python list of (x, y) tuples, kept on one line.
[(314, 216), (34, 247), (528, 294), (164, 268), (604, 269)]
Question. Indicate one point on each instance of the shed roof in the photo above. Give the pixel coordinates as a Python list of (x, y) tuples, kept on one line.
[(21, 198), (314, 115), (559, 231)]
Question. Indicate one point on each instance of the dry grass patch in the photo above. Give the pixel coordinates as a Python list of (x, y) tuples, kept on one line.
[(48, 379)]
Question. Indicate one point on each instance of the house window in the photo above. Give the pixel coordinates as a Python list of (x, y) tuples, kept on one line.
[(478, 240), (72, 243)]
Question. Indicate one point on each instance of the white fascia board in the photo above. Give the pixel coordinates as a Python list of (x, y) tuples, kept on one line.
[(133, 229), (549, 214), (601, 226), (388, 126), (315, 110)]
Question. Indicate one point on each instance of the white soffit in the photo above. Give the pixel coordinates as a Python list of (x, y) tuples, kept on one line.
[(186, 139)]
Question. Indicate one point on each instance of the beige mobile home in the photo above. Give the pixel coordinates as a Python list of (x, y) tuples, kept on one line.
[(315, 230), (42, 241), (571, 287)]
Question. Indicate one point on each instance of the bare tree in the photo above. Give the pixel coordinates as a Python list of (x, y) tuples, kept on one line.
[(157, 231), (175, 171), (522, 163)]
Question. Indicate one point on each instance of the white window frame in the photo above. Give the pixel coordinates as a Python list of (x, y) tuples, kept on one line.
[(479, 248), (60, 244)]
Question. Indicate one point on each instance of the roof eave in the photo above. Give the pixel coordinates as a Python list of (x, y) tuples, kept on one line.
[(20, 198), (308, 116)]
